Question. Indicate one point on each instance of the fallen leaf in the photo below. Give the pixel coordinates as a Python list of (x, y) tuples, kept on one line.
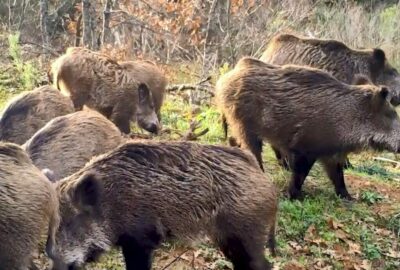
[(293, 266), (311, 233), (393, 254), (295, 245), (354, 248), (333, 224)]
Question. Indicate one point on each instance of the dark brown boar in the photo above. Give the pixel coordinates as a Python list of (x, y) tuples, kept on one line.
[(308, 115), (143, 193), (147, 72), (28, 206), (28, 112), (336, 58), (67, 143), (100, 83)]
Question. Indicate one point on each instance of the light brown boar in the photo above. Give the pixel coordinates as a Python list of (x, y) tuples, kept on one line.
[(28, 112), (148, 73), (100, 83), (141, 194), (67, 143), (307, 114), (28, 206)]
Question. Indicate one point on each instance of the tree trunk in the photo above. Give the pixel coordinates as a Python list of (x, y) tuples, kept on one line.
[(78, 35), (87, 30), (106, 23), (95, 38), (44, 13)]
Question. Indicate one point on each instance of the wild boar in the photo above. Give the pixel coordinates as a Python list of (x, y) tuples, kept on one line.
[(67, 143), (148, 73), (307, 114), (28, 112), (100, 83), (28, 206), (141, 194), (336, 58)]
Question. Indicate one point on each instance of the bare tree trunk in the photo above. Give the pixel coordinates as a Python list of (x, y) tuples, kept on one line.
[(78, 35), (207, 37), (106, 23), (44, 12), (11, 7), (22, 18), (95, 38), (87, 31)]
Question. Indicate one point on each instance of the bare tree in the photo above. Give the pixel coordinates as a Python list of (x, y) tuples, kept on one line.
[(78, 35), (106, 23), (44, 12), (87, 31)]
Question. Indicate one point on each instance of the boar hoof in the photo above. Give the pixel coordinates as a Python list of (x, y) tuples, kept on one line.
[(347, 165), (295, 194), (284, 164), (343, 194)]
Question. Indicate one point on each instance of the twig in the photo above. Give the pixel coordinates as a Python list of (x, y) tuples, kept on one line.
[(50, 50), (181, 87), (387, 160), (174, 260), (197, 86), (191, 135)]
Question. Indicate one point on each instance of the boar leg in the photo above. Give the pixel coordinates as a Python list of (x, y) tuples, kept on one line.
[(121, 117), (244, 248), (138, 247), (137, 256), (251, 142), (347, 164), (334, 170), (282, 161), (224, 126), (301, 166)]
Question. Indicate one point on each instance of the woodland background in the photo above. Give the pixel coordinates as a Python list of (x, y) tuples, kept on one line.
[(195, 42)]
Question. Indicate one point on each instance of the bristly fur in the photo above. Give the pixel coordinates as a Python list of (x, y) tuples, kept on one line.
[(100, 83), (304, 111), (179, 190), (28, 206), (67, 143), (28, 112), (334, 57)]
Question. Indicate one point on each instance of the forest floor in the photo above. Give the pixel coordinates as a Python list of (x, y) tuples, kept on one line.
[(319, 232)]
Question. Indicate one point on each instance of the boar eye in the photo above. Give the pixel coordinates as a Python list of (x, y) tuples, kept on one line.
[(393, 72)]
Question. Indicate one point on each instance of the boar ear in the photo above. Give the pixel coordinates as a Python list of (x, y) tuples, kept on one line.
[(360, 79), (87, 192), (378, 59), (49, 174), (144, 93), (395, 101), (384, 92)]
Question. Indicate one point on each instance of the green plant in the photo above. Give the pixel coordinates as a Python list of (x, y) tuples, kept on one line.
[(27, 74), (371, 197)]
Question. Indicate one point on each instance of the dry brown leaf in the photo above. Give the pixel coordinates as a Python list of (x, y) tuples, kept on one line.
[(311, 233), (354, 248), (342, 235), (293, 266), (363, 266), (333, 224), (295, 245), (393, 254)]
